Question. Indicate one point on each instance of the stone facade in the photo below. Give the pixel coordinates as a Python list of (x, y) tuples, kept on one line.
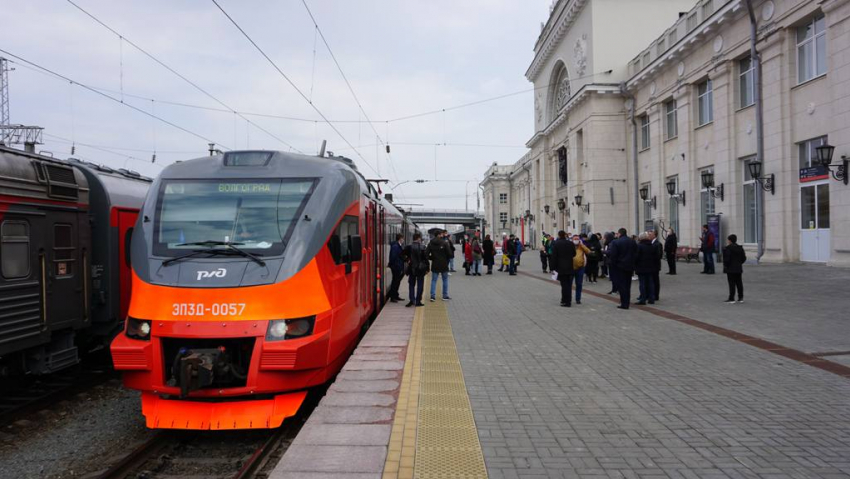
[(690, 89)]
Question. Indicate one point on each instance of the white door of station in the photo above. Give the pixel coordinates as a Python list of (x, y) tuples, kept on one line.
[(814, 223)]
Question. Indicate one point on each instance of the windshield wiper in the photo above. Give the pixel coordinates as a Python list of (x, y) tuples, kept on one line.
[(231, 248)]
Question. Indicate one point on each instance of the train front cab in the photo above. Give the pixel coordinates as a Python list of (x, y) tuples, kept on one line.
[(224, 355)]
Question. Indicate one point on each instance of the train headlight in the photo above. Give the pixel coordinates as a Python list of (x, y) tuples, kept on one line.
[(138, 328), (290, 328)]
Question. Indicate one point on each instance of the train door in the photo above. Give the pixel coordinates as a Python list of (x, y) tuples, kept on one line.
[(63, 271), (383, 242), (126, 222)]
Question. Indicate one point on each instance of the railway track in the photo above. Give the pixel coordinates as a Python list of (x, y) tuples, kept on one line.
[(26, 396), (241, 454)]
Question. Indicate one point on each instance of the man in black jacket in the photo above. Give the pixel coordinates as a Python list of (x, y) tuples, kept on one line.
[(646, 266), (733, 265), (439, 254), (512, 255), (671, 244), (622, 253), (397, 267), (417, 268), (656, 271), (563, 252)]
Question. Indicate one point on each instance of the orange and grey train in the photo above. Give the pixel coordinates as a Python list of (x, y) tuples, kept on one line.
[(254, 273)]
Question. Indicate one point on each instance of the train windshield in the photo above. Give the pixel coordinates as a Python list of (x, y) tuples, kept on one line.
[(257, 215)]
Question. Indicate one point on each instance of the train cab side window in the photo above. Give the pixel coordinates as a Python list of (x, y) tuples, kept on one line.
[(15, 249), (339, 243), (128, 237), (63, 250)]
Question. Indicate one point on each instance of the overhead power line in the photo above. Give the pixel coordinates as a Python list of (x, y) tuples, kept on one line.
[(179, 75), (292, 84), (110, 97)]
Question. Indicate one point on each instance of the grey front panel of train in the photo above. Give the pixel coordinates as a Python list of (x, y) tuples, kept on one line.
[(337, 187)]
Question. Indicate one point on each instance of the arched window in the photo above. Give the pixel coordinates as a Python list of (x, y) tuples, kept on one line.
[(559, 90)]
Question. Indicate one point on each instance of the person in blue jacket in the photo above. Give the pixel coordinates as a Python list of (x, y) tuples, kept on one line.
[(397, 267), (622, 253)]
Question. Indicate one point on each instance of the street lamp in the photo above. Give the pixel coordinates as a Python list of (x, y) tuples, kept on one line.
[(767, 182), (671, 190), (708, 184), (546, 209), (644, 195), (562, 205), (585, 208), (824, 157)]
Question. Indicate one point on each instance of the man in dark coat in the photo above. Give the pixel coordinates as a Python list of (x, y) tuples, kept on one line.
[(646, 264), (656, 273), (707, 246), (489, 253), (671, 244), (439, 254), (452, 256), (397, 267), (621, 255), (512, 255), (417, 268), (733, 265), (563, 252)]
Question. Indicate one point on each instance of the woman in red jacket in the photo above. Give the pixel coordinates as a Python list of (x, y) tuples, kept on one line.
[(467, 256)]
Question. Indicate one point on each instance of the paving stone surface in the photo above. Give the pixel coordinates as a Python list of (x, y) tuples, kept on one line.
[(592, 391)]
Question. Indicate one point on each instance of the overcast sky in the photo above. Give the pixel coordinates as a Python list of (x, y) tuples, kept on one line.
[(402, 58)]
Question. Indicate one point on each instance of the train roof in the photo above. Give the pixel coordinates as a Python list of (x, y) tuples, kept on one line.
[(123, 187), (34, 175)]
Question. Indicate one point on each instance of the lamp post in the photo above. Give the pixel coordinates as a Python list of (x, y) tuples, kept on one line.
[(708, 184), (671, 190), (824, 154), (585, 207), (644, 195), (767, 182)]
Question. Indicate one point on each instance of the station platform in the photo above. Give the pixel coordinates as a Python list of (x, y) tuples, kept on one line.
[(501, 382)]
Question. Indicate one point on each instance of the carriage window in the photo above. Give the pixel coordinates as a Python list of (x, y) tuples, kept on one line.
[(63, 250), (339, 241), (15, 249)]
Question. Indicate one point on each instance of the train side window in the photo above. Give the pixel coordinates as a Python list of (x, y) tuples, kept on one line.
[(339, 243), (15, 249), (63, 250), (128, 236)]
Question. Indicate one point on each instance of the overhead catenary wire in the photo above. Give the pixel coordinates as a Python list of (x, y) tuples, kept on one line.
[(291, 83), (110, 97), (175, 72)]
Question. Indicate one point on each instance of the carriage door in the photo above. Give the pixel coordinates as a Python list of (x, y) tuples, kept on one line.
[(64, 286), (814, 223)]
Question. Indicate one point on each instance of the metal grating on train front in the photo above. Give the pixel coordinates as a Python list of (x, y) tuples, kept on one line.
[(447, 443)]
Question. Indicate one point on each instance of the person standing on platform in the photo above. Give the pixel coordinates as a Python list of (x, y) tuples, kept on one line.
[(467, 257), (656, 273), (452, 256), (563, 254), (488, 253), (519, 248), (646, 263), (621, 253), (417, 268), (609, 238), (593, 258), (734, 258), (439, 253), (671, 244), (512, 242), (707, 246), (396, 267), (544, 257), (504, 252), (579, 263), (477, 254)]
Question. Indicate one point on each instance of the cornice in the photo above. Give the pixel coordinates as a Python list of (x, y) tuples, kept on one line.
[(567, 17)]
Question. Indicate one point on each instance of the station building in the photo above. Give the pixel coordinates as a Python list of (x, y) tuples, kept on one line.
[(623, 121)]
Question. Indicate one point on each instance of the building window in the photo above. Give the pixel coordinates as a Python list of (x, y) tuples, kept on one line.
[(807, 151), (746, 85), (671, 113), (692, 21), (707, 9), (563, 92), (750, 207), (706, 103), (563, 173), (647, 208), (503, 198), (673, 37), (644, 132), (674, 205), (706, 199), (811, 49), (15, 249), (503, 217)]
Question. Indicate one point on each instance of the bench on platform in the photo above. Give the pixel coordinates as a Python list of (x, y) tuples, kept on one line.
[(687, 253)]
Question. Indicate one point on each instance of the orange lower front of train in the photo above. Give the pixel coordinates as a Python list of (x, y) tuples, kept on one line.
[(236, 358)]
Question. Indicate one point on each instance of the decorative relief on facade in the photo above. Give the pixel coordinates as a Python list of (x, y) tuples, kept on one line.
[(563, 92), (538, 106), (718, 44), (681, 68), (767, 10), (580, 55)]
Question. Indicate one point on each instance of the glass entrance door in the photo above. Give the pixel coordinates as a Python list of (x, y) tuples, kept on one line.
[(814, 223)]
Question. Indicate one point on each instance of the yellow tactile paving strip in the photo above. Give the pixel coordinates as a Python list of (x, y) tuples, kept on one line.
[(434, 434)]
